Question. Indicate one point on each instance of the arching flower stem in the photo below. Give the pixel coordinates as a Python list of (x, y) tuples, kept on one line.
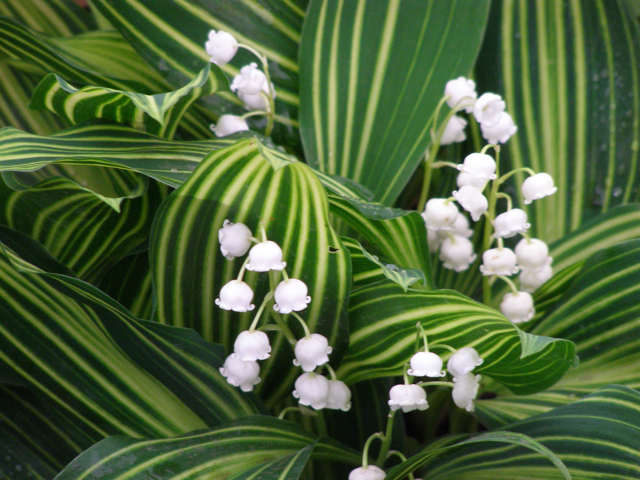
[(242, 269), (509, 282), (365, 451), (503, 178), (256, 319), (265, 67), (307, 333), (424, 336), (443, 384)]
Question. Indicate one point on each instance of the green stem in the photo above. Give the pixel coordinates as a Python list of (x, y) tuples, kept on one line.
[(331, 372), (242, 269), (402, 458), (303, 323), (365, 451), (512, 285), (386, 440), (284, 274), (254, 324), (263, 233), (254, 113), (440, 345), (405, 374), (287, 410), (508, 197), (428, 384), (444, 163), (513, 172), (487, 240), (487, 147), (254, 239), (424, 336)]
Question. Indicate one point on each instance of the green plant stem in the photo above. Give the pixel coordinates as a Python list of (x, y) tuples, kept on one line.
[(488, 226), (386, 440), (405, 374), (440, 345), (424, 336), (365, 451), (512, 285), (254, 114), (443, 384), (331, 372), (284, 274), (508, 197), (242, 269), (402, 458), (503, 178), (307, 333), (254, 324)]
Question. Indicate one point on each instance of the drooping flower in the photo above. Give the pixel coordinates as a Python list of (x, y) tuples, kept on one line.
[(460, 227), (257, 101), (311, 352), (265, 256), (370, 472), (532, 254), (236, 295), (250, 81), (480, 165), (509, 224), (240, 373), (472, 200), (291, 295), (434, 240), (466, 179), (517, 307), (252, 346), (463, 361), (229, 124), (537, 186), (235, 239), (488, 109), (339, 396), (426, 364), (462, 93), (312, 390), (408, 397), (457, 253), (221, 47), (531, 280), (500, 131), (499, 261), (465, 390), (440, 214), (454, 131)]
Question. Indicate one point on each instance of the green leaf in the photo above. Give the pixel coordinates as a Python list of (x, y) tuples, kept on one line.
[(251, 447), (404, 278), (371, 76), (599, 312), (364, 271), (237, 183), (53, 17), (569, 75), (383, 321), (596, 437)]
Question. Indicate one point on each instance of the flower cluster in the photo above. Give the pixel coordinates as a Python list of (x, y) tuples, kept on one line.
[(290, 296)]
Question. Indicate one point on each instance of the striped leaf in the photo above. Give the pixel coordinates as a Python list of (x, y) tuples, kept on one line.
[(383, 321), (596, 437), (249, 448), (17, 461), (599, 312), (170, 35), (163, 111), (240, 184), (364, 271), (105, 371), (53, 17), (569, 74), (372, 73)]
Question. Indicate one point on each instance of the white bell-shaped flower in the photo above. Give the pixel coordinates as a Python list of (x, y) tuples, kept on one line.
[(460, 227), (472, 200), (488, 109), (500, 131), (509, 224), (265, 256), (408, 397), (434, 240), (465, 390), (339, 396), (291, 295), (537, 186), (370, 472), (531, 280), (454, 131), (221, 47), (252, 346), (236, 295), (463, 361), (462, 93), (426, 364), (532, 254), (439, 214), (311, 352), (235, 239), (240, 373), (466, 179), (479, 165), (312, 390), (499, 261), (457, 253), (257, 101), (517, 307), (250, 81), (229, 124)]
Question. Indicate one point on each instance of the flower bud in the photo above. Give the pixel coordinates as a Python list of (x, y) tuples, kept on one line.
[(463, 179), (236, 295), (250, 80), (221, 47), (229, 124), (339, 396), (440, 214), (510, 223), (265, 256), (479, 165), (499, 261), (235, 239), (311, 352), (532, 254), (312, 390), (517, 307), (461, 92), (463, 361), (472, 200), (488, 109), (500, 131), (291, 295), (465, 391), (537, 186), (240, 373), (408, 397), (370, 472), (457, 254), (454, 131), (257, 101), (531, 280), (426, 364), (252, 346)]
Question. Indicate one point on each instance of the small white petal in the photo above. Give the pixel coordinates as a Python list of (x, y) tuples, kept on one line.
[(463, 361), (312, 352), (479, 165), (228, 125), (240, 373), (465, 391), (221, 47), (517, 307), (291, 295), (371, 472), (499, 261), (472, 200), (265, 256), (339, 396), (488, 109), (250, 81), (426, 364), (537, 186), (457, 254), (532, 254), (236, 295), (466, 179), (531, 280), (235, 239), (461, 92), (500, 131), (454, 131), (439, 214), (408, 397), (252, 346), (312, 390), (509, 224)]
